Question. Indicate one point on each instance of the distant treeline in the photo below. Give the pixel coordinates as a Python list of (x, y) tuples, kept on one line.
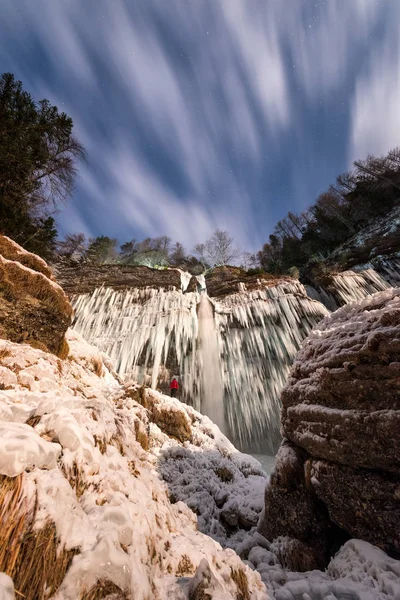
[(158, 252), (358, 197)]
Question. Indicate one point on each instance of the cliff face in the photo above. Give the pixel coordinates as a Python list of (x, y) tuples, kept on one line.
[(151, 323), (116, 491), (33, 308), (223, 281), (86, 278), (376, 245), (338, 472), (367, 263)]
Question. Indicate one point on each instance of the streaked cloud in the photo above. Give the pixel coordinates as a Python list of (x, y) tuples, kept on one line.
[(376, 103), (196, 115)]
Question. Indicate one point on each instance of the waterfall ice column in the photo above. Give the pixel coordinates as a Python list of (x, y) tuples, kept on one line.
[(210, 364)]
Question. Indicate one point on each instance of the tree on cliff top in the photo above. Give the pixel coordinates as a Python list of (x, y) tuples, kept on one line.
[(38, 155), (219, 249), (102, 250)]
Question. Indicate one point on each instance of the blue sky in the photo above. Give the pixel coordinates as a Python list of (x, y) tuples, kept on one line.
[(198, 114)]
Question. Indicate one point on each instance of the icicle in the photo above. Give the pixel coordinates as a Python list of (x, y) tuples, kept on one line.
[(349, 286), (234, 361), (185, 279), (262, 331)]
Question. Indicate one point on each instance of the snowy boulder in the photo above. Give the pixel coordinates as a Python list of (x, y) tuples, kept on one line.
[(21, 447), (84, 512), (338, 472), (342, 402), (33, 308)]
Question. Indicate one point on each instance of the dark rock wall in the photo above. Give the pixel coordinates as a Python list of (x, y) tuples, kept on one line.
[(85, 278)]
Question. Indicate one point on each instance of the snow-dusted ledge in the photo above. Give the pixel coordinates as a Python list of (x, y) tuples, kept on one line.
[(104, 475)]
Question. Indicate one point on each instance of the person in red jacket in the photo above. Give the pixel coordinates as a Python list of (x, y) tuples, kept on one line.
[(174, 387)]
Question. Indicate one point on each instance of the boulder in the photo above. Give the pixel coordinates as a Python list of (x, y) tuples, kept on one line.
[(338, 470), (292, 511), (33, 308), (13, 251)]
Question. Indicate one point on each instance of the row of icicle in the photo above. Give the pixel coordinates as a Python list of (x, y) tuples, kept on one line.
[(232, 356)]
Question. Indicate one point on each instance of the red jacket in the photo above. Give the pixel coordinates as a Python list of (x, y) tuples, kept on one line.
[(174, 385)]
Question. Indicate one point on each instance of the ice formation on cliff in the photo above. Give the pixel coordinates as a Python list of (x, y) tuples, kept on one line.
[(255, 333)]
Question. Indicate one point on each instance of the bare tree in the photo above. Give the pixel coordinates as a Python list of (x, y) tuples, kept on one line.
[(178, 254), (332, 204), (74, 245), (249, 260), (219, 249)]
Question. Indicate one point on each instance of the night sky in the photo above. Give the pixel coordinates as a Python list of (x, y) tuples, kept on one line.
[(197, 114)]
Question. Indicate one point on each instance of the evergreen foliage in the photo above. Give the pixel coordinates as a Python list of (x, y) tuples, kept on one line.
[(371, 190), (38, 155), (102, 250)]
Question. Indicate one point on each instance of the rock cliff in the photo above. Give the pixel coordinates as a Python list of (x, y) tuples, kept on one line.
[(111, 490), (85, 278), (33, 308), (226, 280), (338, 470)]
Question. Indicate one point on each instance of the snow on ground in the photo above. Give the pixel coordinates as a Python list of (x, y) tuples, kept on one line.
[(91, 454), (83, 466)]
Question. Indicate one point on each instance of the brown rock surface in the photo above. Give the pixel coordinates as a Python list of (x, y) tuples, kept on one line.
[(292, 511), (13, 251), (363, 502), (85, 278), (341, 415), (33, 309), (225, 280)]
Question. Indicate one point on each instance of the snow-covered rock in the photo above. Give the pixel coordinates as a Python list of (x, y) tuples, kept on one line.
[(77, 484), (95, 490), (339, 472)]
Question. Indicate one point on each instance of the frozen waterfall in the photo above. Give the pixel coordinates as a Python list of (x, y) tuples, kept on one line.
[(212, 401), (232, 356)]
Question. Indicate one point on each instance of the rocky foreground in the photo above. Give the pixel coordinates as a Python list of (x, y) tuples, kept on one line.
[(111, 491), (114, 491), (338, 470)]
